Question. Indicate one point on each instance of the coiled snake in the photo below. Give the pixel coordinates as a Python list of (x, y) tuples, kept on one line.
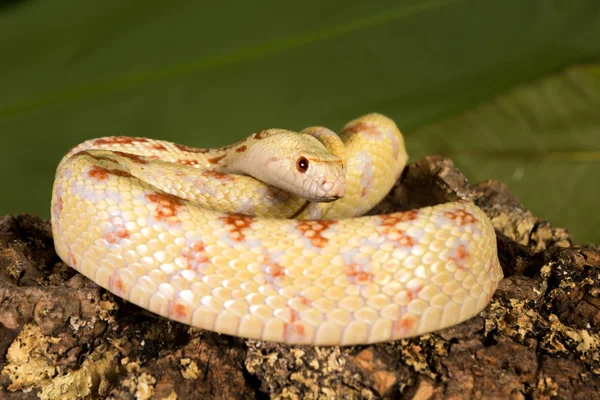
[(263, 239)]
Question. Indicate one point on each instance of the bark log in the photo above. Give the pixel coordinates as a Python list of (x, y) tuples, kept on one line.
[(62, 336)]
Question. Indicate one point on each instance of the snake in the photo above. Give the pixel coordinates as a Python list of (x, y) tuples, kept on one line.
[(268, 239)]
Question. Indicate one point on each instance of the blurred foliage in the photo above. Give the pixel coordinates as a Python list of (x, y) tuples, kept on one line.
[(542, 139), (486, 83)]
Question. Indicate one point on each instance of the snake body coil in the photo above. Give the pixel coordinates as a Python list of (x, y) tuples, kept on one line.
[(204, 236)]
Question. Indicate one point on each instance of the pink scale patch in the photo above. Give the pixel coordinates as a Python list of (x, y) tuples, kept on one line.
[(366, 177), (390, 134)]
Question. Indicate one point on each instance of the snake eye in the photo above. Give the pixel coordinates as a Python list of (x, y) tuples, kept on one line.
[(302, 164)]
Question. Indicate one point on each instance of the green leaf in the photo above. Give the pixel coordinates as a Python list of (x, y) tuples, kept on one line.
[(542, 139), (207, 74)]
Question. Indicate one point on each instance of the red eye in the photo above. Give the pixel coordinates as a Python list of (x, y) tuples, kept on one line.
[(302, 164)]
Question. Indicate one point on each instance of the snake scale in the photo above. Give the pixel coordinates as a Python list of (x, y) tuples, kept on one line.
[(265, 238)]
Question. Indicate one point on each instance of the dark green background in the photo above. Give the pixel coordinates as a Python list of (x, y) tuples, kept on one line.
[(508, 89)]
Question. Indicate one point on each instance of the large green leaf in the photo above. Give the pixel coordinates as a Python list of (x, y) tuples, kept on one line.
[(542, 139), (210, 73)]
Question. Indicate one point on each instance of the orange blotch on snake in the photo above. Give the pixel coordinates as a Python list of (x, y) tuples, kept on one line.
[(460, 255), (190, 149), (313, 231), (388, 227), (180, 311), (218, 175), (413, 294), (357, 276), (158, 146), (275, 270), (188, 162), (119, 172), (362, 127), (405, 325), (215, 160), (166, 206), (241, 149), (236, 224), (292, 327), (119, 140), (98, 173), (195, 255), (461, 216), (86, 153), (304, 300), (115, 236), (405, 240), (101, 174), (133, 157), (118, 285), (364, 190), (71, 260), (260, 135)]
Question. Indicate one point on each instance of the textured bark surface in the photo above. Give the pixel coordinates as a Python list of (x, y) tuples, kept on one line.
[(62, 336)]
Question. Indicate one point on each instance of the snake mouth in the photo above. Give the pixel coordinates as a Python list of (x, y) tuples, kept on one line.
[(334, 190), (329, 199)]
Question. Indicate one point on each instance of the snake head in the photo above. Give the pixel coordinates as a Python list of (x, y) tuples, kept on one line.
[(319, 175), (295, 162)]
